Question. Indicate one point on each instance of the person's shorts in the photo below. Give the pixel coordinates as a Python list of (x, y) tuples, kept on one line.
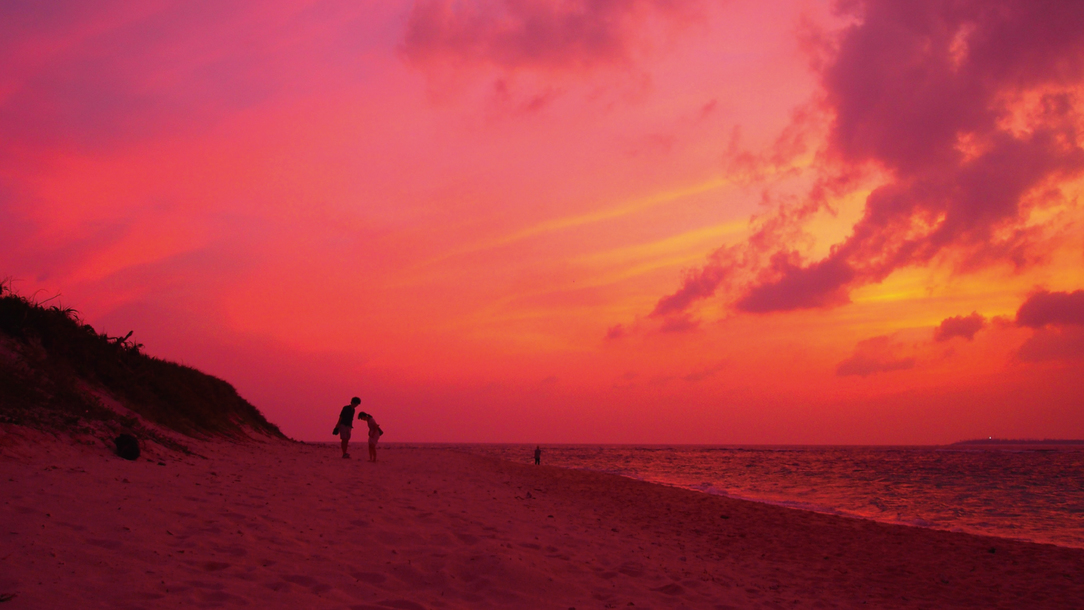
[(344, 432), (372, 440)]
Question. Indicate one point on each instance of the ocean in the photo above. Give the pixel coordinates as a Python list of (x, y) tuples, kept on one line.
[(1035, 495)]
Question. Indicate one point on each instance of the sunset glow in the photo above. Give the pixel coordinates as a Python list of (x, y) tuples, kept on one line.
[(569, 221)]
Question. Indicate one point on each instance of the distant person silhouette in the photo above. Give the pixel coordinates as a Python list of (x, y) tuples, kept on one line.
[(537, 455), (346, 423), (374, 433)]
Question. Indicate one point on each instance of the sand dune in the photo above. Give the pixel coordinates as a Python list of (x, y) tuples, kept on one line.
[(277, 524)]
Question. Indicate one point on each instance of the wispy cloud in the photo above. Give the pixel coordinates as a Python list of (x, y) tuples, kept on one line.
[(602, 214), (872, 356), (533, 34)]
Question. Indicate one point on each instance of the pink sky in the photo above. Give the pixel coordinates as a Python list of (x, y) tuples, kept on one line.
[(546, 221)]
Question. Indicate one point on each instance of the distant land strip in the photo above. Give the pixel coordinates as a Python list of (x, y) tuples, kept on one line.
[(1027, 442)]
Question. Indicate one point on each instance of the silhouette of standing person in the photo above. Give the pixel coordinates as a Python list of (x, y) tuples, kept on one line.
[(537, 455), (346, 423), (374, 433)]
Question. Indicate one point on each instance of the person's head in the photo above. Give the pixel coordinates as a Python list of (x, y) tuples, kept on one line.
[(355, 401), (363, 415)]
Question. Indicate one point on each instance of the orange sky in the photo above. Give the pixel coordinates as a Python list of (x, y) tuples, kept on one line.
[(569, 221)]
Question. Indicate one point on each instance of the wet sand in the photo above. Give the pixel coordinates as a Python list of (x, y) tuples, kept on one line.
[(277, 524)]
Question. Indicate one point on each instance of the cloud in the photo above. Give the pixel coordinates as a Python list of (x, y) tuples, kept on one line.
[(548, 35), (1053, 344), (706, 373), (75, 81), (698, 284), (679, 324), (818, 285), (615, 332), (1058, 320), (876, 355), (968, 110), (960, 326), (1045, 308), (729, 264)]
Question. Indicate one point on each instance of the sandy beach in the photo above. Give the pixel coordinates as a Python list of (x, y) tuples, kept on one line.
[(274, 524)]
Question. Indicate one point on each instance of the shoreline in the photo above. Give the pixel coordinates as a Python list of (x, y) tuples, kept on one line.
[(836, 512), (279, 524), (917, 520)]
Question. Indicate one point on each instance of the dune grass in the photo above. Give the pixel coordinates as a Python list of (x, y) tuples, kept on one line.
[(55, 369)]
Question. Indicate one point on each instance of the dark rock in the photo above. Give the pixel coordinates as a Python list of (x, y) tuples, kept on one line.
[(127, 446)]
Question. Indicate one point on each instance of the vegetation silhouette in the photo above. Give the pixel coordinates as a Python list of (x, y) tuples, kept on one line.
[(56, 371)]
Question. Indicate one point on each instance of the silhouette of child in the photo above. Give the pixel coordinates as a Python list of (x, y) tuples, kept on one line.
[(374, 433)]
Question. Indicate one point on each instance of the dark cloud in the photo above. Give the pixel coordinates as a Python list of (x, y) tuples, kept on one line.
[(1053, 344), (1052, 308), (960, 326), (679, 324), (697, 285), (534, 34), (706, 373), (970, 108), (818, 285), (864, 366), (1058, 320), (615, 332), (876, 355)]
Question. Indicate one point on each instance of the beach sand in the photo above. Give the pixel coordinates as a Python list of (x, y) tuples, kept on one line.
[(277, 524)]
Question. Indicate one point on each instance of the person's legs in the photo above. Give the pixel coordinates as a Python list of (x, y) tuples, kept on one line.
[(344, 434), (372, 451)]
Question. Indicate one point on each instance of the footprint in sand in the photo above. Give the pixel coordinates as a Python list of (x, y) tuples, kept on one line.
[(369, 577), (232, 550), (220, 597), (279, 586), (467, 539), (400, 604), (671, 589), (307, 581)]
